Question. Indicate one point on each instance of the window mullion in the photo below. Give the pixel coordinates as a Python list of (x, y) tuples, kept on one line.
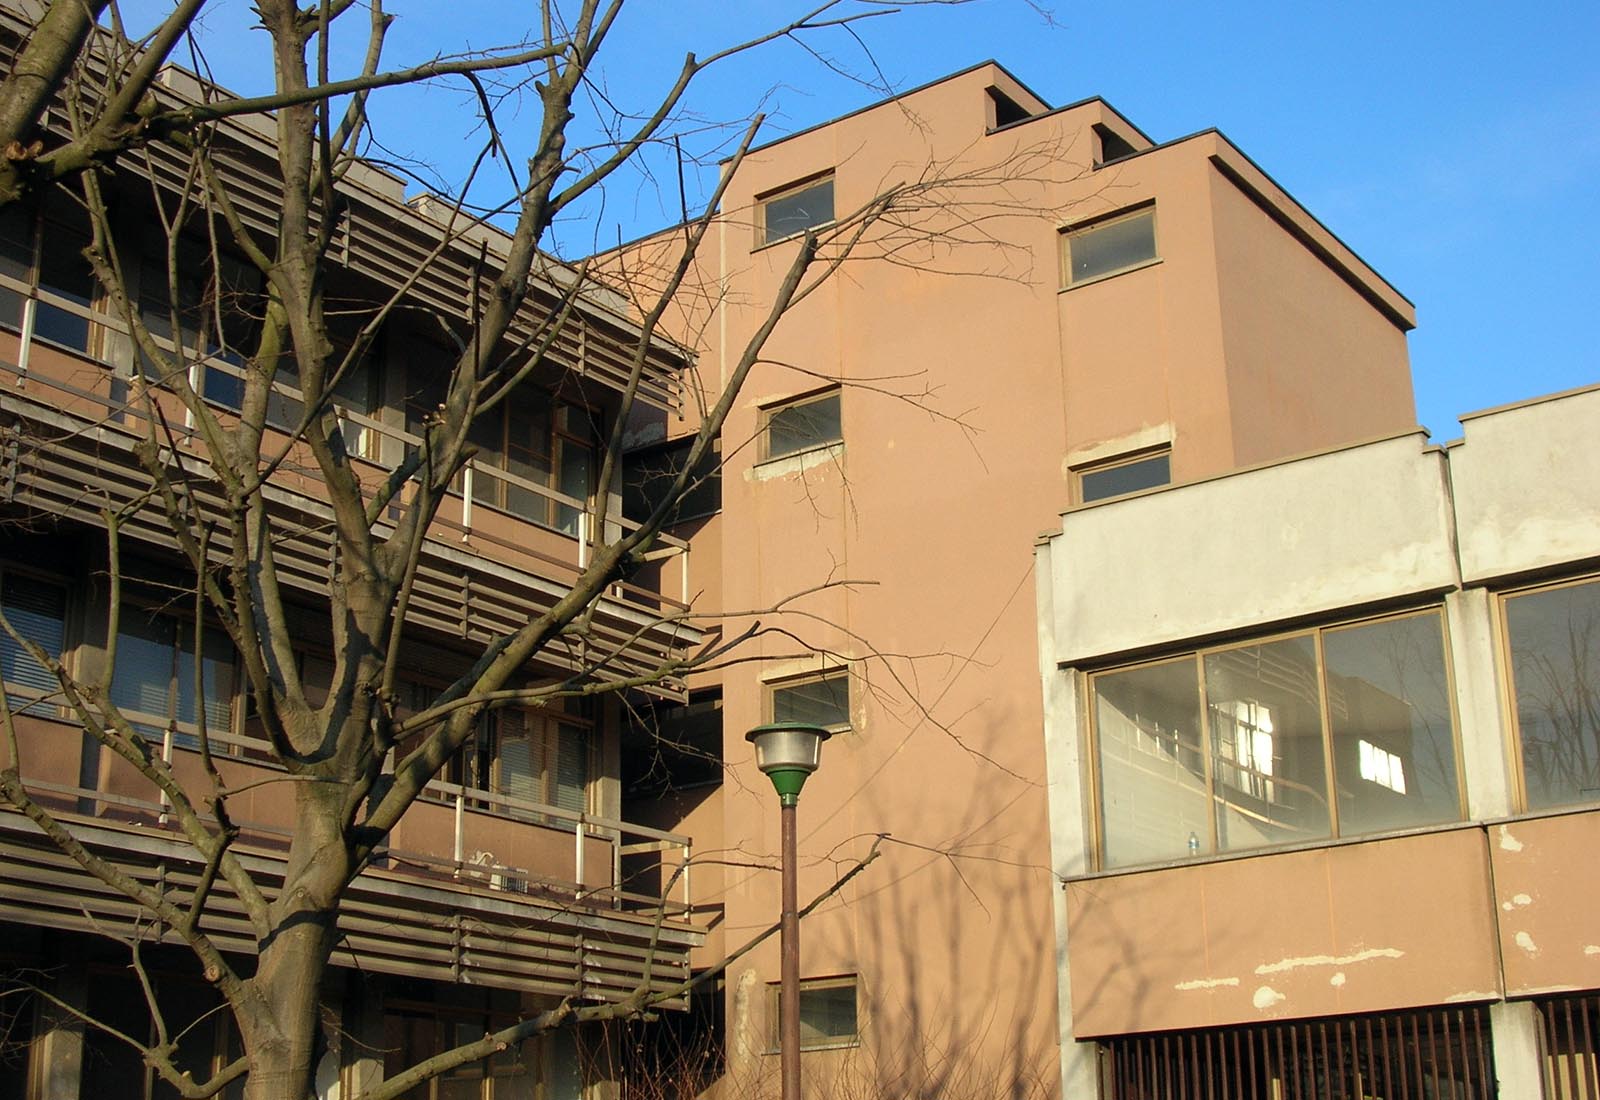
[(1205, 755), (1330, 779)]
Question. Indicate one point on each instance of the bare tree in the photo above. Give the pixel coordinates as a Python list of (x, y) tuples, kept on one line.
[(227, 235)]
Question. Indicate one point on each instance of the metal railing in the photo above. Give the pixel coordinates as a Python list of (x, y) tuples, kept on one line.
[(1417, 1055), (1571, 1041)]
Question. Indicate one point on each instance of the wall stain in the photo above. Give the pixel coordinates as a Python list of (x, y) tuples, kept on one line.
[(1330, 960)]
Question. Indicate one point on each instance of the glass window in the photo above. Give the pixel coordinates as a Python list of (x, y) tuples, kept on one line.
[(648, 475), (1393, 735), (153, 683), (822, 701), (1152, 771), (801, 425), (1108, 247), (1123, 476), (796, 210), (537, 439), (1554, 638), (827, 1013), (1229, 749), (537, 758), (37, 610)]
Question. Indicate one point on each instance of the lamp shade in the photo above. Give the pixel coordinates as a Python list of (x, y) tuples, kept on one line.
[(788, 746)]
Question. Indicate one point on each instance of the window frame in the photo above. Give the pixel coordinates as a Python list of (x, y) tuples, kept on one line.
[(811, 397), (185, 735), (23, 698), (1331, 789), (839, 672), (818, 984), (1117, 462), (40, 224), (764, 237), (1085, 229), (1509, 704)]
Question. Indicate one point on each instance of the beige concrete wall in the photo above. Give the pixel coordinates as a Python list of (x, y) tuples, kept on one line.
[(972, 384), (1354, 928), (1524, 479), (1253, 548)]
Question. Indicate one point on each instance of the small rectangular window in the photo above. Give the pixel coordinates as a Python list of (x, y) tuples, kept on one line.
[(796, 209), (818, 701), (1122, 476), (1553, 634), (802, 425), (828, 1013), (1109, 247)]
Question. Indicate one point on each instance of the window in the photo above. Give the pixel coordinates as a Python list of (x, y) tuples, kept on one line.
[(1553, 635), (1230, 748), (217, 310), (673, 746), (533, 756), (48, 275), (1111, 246), (818, 701), (648, 475), (801, 425), (540, 441), (153, 683), (1122, 476), (827, 1013), (794, 210), (37, 610)]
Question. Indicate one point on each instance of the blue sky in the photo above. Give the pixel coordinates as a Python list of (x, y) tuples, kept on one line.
[(1455, 147)]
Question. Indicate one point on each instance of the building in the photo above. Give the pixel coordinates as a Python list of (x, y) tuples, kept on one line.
[(515, 883), (1322, 750), (1076, 313)]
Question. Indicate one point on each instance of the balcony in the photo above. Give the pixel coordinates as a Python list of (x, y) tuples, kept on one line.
[(476, 887)]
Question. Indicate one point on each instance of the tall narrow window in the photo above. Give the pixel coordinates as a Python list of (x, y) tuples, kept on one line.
[(1110, 247), (1553, 634), (796, 209)]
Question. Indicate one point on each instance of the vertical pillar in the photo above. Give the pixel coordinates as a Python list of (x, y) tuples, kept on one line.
[(1514, 1030), (1484, 737), (58, 1048)]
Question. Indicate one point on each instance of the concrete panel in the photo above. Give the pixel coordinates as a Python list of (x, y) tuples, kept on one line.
[(1300, 538), (1546, 899), (1356, 928), (1524, 480)]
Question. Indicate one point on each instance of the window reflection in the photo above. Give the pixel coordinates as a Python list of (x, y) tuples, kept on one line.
[(1229, 749), (1554, 637)]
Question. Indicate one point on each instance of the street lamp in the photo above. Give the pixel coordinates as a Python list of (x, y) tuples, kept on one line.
[(788, 752)]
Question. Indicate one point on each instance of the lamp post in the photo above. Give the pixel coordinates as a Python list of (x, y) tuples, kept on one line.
[(788, 752)]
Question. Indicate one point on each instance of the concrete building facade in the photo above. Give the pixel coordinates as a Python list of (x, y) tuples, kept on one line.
[(1076, 312), (1322, 747)]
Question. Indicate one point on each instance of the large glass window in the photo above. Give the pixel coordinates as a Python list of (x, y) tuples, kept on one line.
[(533, 756), (43, 261), (1554, 638), (1337, 731)]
